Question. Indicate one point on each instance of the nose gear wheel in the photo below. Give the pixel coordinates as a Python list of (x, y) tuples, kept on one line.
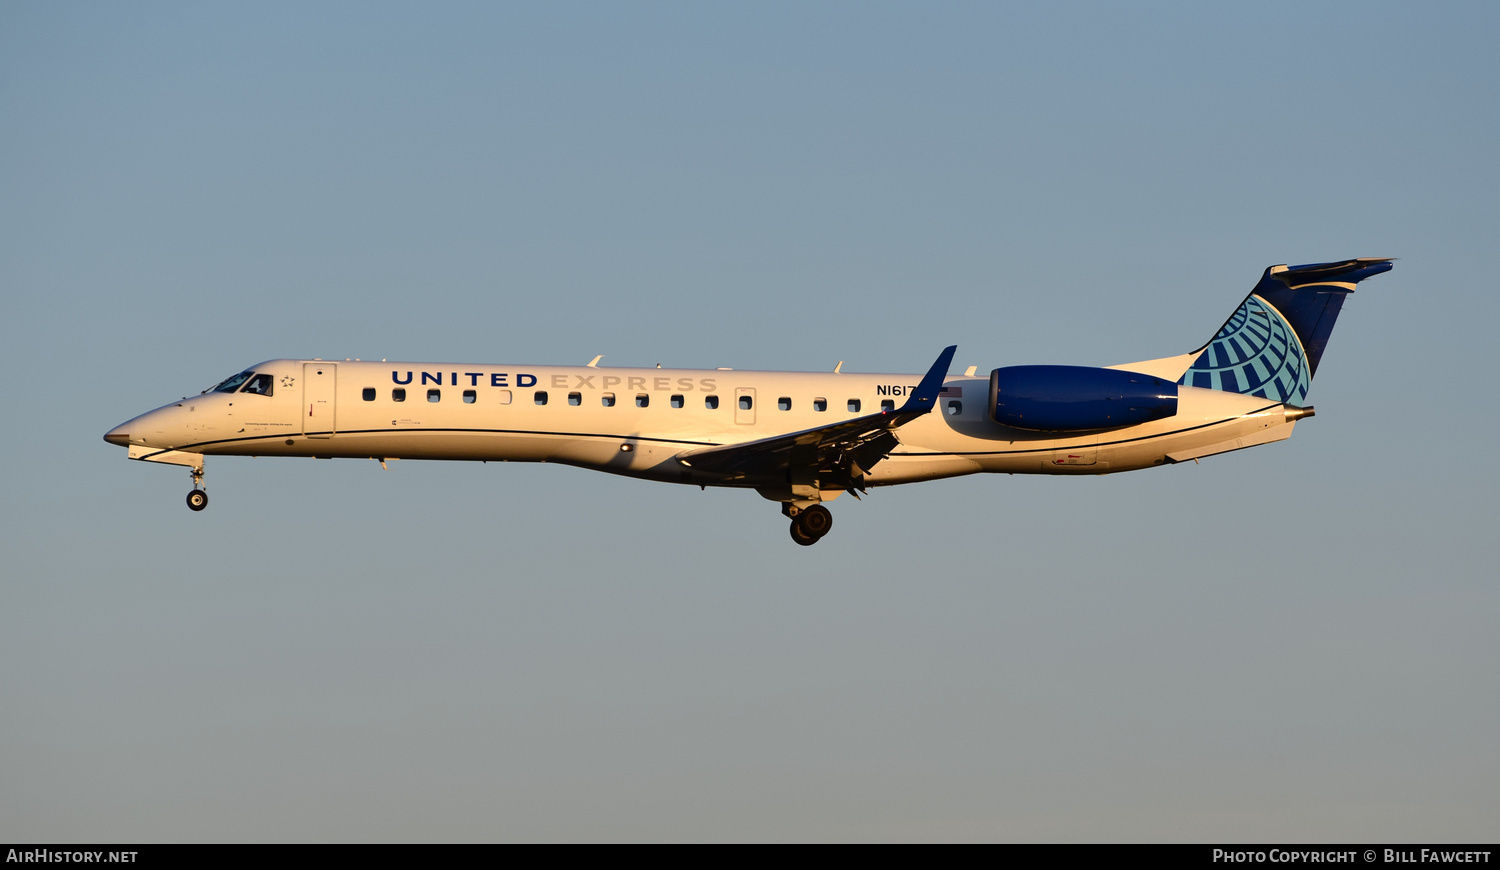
[(197, 500)]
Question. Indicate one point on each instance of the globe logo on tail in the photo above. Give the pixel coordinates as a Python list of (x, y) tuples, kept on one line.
[(1256, 353)]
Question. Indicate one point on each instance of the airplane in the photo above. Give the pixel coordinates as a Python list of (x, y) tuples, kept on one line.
[(801, 439)]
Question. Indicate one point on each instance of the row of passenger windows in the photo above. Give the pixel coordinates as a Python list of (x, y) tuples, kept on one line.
[(643, 400)]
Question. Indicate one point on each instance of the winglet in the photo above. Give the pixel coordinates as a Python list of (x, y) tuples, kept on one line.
[(924, 397)]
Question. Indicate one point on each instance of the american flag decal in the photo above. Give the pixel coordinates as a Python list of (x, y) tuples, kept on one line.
[(952, 393)]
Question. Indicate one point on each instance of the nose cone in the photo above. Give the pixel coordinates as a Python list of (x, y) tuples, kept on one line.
[(163, 427)]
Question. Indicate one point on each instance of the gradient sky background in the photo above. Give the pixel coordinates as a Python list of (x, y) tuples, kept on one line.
[(1296, 642)]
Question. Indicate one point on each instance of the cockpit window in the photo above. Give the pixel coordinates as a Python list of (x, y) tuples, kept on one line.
[(259, 385), (229, 385)]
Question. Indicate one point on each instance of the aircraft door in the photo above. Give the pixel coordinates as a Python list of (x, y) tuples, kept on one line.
[(1084, 452), (318, 382), (744, 405)]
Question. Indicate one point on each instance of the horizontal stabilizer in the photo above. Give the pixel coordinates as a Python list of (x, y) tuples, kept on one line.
[(1342, 272)]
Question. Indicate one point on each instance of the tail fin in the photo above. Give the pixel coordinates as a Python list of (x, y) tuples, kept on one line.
[(1271, 345)]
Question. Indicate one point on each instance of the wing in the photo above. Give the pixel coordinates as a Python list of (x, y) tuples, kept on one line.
[(840, 452)]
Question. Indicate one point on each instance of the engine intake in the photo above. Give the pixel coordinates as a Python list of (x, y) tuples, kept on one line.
[(1077, 398)]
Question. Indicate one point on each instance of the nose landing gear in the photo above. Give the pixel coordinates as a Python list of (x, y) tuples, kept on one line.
[(810, 524), (197, 499)]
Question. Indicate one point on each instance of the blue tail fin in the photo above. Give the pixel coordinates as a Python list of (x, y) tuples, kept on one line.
[(1271, 345)]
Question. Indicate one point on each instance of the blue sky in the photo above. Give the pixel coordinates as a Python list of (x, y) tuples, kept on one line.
[(1290, 643)]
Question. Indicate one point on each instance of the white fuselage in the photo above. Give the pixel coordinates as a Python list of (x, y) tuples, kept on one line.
[(390, 410)]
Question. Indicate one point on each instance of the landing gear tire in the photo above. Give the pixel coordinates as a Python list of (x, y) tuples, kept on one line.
[(197, 499), (816, 520), (811, 524)]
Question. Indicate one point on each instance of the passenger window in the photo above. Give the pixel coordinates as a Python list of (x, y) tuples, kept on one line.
[(608, 400), (505, 397), (642, 400), (398, 395), (676, 401), (369, 394), (541, 397), (784, 404), (711, 402), (469, 397), (434, 395), (955, 408), (854, 406), (746, 403), (887, 404), (575, 398), (820, 404), (260, 385)]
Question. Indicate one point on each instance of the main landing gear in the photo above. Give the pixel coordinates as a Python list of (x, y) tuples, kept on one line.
[(198, 498), (809, 524)]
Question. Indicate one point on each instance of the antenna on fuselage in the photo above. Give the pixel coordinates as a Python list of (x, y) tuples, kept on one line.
[(594, 363), (837, 367)]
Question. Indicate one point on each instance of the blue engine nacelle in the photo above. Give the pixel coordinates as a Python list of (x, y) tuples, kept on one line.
[(1077, 398)]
